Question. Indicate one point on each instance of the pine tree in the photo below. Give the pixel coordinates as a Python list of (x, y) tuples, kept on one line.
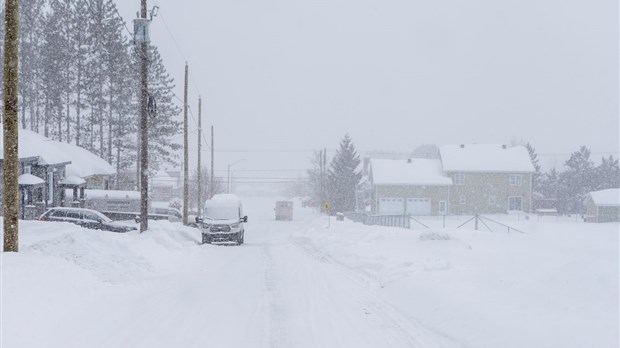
[(343, 177), (164, 124), (576, 181), (607, 174), (537, 177)]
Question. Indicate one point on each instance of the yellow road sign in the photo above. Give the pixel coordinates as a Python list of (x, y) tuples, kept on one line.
[(326, 206)]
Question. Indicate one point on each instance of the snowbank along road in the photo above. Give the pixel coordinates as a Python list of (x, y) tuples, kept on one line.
[(296, 284)]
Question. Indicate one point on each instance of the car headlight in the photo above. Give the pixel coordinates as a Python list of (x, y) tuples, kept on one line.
[(235, 225)]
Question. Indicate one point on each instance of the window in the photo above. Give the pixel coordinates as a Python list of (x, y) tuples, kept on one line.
[(459, 179), (50, 188), (515, 203), (462, 199), (492, 200), (27, 169), (516, 180), (443, 207)]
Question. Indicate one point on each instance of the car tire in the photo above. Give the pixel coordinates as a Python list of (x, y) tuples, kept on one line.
[(205, 239), (240, 240)]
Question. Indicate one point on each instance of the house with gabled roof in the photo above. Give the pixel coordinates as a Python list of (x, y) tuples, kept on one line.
[(488, 178), (412, 186), (466, 179), (48, 167)]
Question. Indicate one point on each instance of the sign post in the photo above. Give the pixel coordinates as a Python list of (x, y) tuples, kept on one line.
[(326, 208)]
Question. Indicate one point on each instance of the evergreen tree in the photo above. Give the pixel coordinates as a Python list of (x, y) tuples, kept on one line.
[(607, 174), (576, 181), (343, 177), (164, 123), (537, 177)]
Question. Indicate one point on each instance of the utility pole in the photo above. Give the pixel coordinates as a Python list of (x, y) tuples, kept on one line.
[(141, 37), (10, 127), (211, 187), (199, 155), (185, 151)]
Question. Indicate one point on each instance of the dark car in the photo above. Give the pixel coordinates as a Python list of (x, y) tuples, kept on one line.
[(86, 218)]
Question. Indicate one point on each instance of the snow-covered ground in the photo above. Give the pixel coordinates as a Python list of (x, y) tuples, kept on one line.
[(299, 284)]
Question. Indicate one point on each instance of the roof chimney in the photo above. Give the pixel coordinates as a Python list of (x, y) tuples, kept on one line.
[(504, 147), (462, 146)]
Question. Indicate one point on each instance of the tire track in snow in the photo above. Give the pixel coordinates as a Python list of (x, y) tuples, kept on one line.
[(378, 309)]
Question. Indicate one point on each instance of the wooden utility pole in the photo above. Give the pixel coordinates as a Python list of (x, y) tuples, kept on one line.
[(144, 126), (185, 152), (211, 185), (199, 155), (10, 127)]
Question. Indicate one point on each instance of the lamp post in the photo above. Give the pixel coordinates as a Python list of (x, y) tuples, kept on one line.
[(230, 165)]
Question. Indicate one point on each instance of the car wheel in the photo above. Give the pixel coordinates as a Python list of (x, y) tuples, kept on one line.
[(205, 239), (240, 241)]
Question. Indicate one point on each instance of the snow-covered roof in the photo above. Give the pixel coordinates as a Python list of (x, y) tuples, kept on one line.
[(164, 179), (223, 199), (29, 179), (83, 162), (485, 158), (408, 172), (33, 145), (73, 180), (609, 197), (113, 194)]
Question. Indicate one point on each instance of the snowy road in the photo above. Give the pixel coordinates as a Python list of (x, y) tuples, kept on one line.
[(297, 284), (271, 292)]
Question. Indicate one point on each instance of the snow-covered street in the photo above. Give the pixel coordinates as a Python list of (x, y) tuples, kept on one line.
[(298, 284)]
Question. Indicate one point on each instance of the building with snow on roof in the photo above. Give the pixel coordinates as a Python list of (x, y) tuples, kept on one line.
[(603, 205), (466, 179)]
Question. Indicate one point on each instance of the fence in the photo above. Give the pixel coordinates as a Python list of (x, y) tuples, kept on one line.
[(408, 221)]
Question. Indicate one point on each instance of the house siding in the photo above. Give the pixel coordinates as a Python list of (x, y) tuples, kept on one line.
[(478, 187), (434, 193)]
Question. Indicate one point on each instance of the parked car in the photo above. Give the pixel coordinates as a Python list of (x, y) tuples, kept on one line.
[(223, 220), (86, 218)]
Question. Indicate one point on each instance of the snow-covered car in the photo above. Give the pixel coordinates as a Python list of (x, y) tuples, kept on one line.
[(86, 218), (223, 220)]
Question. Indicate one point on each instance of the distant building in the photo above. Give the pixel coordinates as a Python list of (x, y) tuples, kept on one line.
[(466, 179), (603, 206)]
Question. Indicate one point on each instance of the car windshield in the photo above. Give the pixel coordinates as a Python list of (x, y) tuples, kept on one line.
[(221, 213)]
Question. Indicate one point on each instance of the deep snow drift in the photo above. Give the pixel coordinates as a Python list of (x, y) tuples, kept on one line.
[(299, 284)]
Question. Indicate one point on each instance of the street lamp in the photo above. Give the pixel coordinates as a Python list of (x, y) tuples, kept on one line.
[(230, 165)]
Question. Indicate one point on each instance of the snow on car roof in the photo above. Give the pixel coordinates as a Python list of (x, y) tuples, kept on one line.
[(408, 172), (609, 197), (485, 158), (113, 194), (224, 199)]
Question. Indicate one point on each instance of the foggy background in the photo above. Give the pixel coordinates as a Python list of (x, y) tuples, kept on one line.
[(282, 78)]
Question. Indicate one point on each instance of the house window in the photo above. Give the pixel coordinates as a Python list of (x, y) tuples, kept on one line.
[(462, 199), (516, 180), (443, 207), (515, 203), (27, 169), (492, 200), (459, 179)]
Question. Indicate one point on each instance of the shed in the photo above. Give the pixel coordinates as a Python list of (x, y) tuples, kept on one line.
[(603, 205)]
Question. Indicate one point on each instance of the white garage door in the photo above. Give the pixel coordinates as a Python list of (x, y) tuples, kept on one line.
[(391, 206), (419, 206)]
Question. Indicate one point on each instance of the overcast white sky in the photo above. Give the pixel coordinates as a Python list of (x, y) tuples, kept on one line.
[(394, 74)]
